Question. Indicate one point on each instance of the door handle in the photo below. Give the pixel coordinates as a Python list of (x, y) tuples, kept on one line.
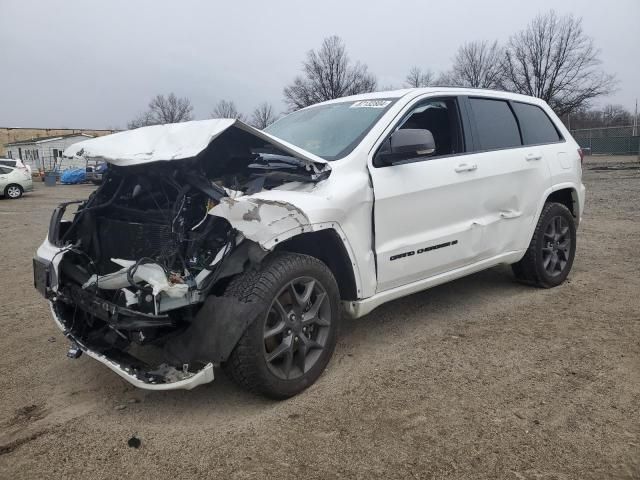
[(510, 213), (532, 156), (466, 167)]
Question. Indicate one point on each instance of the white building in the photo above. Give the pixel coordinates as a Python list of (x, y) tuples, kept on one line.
[(46, 152)]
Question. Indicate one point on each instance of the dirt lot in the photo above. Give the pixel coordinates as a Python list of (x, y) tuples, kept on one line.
[(480, 378)]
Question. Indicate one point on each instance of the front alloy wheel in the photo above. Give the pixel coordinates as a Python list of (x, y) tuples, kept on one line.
[(286, 349), (296, 328)]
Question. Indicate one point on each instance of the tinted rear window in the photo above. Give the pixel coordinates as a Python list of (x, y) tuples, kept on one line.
[(9, 163), (535, 124), (495, 123), (5, 170)]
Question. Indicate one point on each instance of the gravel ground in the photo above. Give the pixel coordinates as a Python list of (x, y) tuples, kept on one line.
[(479, 378)]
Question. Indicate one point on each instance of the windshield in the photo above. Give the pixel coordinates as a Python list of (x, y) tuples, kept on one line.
[(330, 131)]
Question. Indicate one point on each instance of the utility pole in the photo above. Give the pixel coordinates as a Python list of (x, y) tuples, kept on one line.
[(635, 121), (634, 133)]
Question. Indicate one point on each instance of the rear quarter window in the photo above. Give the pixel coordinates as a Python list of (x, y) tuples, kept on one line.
[(495, 124), (5, 170), (536, 125)]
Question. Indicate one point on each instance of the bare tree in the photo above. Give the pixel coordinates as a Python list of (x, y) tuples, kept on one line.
[(388, 87), (615, 116), (446, 79), (417, 78), (141, 120), (169, 109), (607, 116), (478, 64), (328, 74), (226, 109), (582, 118), (263, 116), (555, 60)]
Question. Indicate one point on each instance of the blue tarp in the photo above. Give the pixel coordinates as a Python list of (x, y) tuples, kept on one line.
[(76, 175)]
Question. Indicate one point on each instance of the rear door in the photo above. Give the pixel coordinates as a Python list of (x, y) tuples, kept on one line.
[(545, 142), (513, 175)]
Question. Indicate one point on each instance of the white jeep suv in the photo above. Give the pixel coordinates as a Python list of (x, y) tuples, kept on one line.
[(211, 243)]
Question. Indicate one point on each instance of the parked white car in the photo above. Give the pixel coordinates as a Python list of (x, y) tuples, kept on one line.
[(226, 245), (14, 181), (15, 162)]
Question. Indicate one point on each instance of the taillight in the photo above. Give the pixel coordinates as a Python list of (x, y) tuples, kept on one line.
[(581, 153)]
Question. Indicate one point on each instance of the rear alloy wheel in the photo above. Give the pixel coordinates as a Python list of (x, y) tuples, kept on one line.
[(287, 348), (550, 255), (13, 191), (556, 246)]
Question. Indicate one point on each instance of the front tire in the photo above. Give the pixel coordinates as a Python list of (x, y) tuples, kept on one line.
[(289, 345), (550, 255), (13, 191)]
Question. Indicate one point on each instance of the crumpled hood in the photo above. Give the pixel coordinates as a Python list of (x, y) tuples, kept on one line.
[(173, 141)]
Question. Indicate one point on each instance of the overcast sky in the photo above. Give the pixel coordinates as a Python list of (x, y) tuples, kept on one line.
[(85, 64)]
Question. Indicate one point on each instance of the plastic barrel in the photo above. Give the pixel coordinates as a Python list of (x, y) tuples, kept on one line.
[(50, 179)]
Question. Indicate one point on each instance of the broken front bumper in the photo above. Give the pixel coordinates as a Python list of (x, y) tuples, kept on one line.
[(165, 378), (173, 380)]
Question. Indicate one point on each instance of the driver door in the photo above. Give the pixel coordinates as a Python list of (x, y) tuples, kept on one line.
[(425, 207)]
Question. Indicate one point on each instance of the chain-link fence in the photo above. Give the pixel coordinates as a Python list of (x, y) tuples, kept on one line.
[(609, 140)]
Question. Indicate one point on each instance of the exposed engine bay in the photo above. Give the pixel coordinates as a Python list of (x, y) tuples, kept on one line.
[(145, 263)]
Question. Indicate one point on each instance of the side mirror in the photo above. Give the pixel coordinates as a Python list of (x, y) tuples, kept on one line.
[(405, 144)]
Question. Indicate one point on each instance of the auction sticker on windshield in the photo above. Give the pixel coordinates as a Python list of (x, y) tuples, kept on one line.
[(370, 104)]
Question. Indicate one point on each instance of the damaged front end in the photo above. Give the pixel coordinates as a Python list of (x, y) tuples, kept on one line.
[(136, 278)]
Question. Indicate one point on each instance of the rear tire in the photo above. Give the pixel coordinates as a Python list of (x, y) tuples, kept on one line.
[(289, 345), (13, 191), (550, 255)]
